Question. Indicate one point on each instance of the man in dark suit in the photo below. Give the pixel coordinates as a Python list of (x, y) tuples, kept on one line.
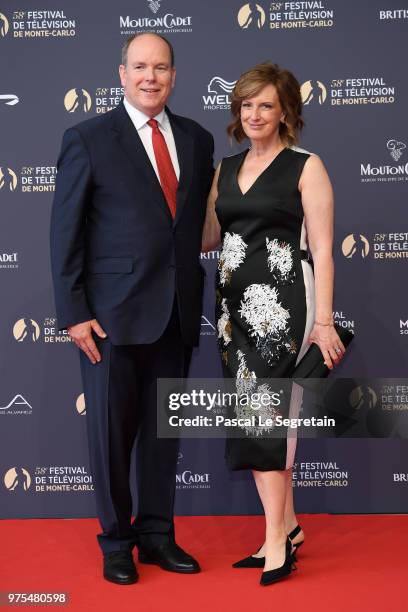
[(125, 241)]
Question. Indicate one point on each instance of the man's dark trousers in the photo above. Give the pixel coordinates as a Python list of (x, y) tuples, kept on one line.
[(120, 396)]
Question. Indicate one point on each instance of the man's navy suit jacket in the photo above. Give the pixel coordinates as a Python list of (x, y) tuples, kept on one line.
[(116, 253)]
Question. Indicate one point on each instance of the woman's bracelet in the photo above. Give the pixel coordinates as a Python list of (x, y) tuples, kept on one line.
[(325, 324)]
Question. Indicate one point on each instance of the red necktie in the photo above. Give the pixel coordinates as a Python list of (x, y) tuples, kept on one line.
[(168, 178)]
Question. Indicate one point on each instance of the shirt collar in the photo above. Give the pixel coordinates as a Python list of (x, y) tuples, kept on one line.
[(139, 119)]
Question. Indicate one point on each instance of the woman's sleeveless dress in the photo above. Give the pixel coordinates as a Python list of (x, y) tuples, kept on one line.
[(265, 291)]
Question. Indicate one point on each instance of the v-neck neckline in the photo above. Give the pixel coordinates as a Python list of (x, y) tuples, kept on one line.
[(243, 194)]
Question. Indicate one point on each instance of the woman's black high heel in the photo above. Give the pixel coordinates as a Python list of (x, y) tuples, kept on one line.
[(259, 562), (271, 576), (292, 535), (251, 561)]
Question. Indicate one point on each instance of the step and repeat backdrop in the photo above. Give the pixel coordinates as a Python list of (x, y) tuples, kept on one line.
[(58, 66)]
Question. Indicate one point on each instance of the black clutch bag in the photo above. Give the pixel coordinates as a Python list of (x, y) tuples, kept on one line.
[(312, 363)]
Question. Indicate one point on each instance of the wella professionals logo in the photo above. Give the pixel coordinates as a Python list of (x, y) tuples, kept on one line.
[(219, 91)]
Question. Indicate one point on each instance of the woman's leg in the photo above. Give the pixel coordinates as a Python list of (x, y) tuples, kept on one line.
[(290, 516), (272, 488), (290, 519)]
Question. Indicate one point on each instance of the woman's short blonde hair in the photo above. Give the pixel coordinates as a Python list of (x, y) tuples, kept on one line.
[(252, 82)]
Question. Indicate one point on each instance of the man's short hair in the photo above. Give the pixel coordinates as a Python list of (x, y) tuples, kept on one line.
[(130, 39)]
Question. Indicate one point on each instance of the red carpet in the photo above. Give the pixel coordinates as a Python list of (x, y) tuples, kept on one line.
[(347, 564)]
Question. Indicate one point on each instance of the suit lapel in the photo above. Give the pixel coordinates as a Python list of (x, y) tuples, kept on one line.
[(185, 152), (129, 140)]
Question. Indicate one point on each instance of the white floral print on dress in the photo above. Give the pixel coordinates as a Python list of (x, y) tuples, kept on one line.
[(245, 379), (280, 260), (268, 321), (246, 385), (224, 324), (265, 414), (231, 256)]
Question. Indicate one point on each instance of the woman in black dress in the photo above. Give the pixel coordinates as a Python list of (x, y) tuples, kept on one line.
[(267, 206)]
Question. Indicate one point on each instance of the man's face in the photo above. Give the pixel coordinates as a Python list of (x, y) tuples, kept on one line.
[(148, 77)]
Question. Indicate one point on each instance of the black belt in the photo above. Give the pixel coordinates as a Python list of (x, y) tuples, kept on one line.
[(305, 255)]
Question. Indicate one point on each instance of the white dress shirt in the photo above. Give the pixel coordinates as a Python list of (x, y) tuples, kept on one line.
[(140, 120)]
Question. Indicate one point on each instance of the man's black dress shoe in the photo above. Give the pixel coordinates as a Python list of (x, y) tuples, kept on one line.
[(119, 567), (169, 556)]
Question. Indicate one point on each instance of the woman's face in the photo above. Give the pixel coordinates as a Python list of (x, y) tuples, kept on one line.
[(261, 115)]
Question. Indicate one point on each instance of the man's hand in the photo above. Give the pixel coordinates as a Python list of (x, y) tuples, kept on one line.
[(81, 334)]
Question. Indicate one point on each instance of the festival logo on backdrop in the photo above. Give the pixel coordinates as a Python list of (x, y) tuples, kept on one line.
[(158, 23), (16, 406), (107, 98), (360, 90), (77, 100), (251, 16), (4, 25), (49, 479), (367, 412), (341, 318), (355, 245), (300, 15), (62, 479), (80, 404), (363, 395), (286, 15), (391, 396), (26, 330), (316, 474), (313, 92), (385, 246), (17, 479), (42, 24), (8, 179), (28, 179), (104, 99)]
